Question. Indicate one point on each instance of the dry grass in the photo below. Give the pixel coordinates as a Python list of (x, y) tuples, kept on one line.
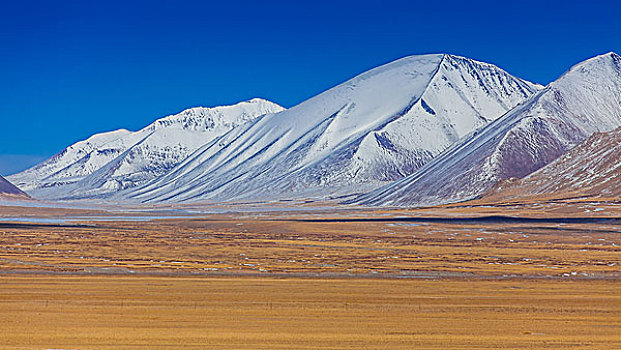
[(280, 244), (133, 312)]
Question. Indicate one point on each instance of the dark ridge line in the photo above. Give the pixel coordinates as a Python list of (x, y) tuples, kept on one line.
[(410, 275), (9, 225), (473, 220)]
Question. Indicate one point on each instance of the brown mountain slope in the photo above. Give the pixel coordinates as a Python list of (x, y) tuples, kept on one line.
[(593, 168), (8, 190)]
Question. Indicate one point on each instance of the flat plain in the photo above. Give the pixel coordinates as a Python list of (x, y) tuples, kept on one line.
[(471, 276), (149, 312)]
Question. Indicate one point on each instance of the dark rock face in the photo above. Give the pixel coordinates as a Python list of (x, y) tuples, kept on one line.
[(592, 168)]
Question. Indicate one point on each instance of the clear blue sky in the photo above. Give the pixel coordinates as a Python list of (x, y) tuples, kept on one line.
[(69, 69)]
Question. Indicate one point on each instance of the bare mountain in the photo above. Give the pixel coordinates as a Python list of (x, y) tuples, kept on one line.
[(592, 168), (8, 190)]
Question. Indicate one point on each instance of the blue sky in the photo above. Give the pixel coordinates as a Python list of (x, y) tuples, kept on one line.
[(69, 69)]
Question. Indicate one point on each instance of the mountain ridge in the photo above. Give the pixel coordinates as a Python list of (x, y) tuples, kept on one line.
[(402, 111), (145, 153), (584, 100)]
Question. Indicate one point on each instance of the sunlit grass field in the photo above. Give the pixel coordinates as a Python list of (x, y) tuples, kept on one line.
[(146, 312)]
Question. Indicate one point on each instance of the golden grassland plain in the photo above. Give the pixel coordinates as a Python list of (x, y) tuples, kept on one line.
[(315, 278), (192, 312)]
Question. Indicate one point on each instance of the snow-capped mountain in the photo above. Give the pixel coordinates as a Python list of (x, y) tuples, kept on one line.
[(375, 128), (585, 100), (8, 190), (108, 162), (592, 168)]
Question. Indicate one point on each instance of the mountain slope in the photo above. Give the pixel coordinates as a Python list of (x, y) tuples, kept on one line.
[(592, 168), (8, 190), (108, 162), (585, 100), (372, 129)]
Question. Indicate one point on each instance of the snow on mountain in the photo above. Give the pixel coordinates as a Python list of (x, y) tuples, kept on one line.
[(8, 190), (592, 168), (108, 162), (585, 100), (375, 128)]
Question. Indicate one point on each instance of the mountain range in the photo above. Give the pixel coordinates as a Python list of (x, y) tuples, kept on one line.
[(425, 129), (584, 100), (375, 128), (109, 162)]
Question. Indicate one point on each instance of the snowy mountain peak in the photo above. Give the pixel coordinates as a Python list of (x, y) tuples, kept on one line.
[(468, 62), (606, 58), (123, 158), (101, 138), (591, 68), (252, 105), (258, 100), (205, 118)]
